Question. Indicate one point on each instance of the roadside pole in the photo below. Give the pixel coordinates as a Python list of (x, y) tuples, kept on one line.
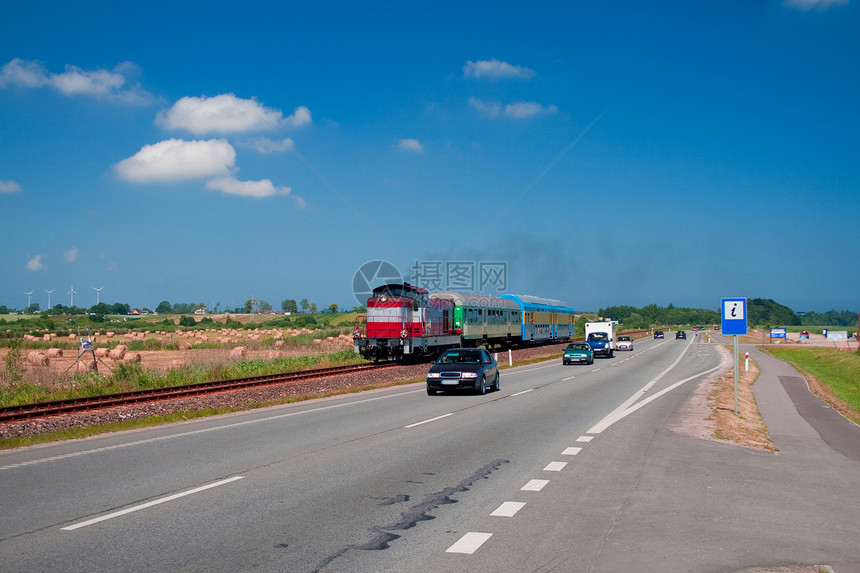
[(734, 314)]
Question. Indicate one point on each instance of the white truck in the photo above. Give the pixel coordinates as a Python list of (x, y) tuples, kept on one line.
[(601, 336)]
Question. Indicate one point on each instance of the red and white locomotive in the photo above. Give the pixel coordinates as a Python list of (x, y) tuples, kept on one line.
[(403, 320)]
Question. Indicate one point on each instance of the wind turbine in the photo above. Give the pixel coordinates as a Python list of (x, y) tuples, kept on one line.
[(49, 296), (98, 292), (28, 297), (72, 292)]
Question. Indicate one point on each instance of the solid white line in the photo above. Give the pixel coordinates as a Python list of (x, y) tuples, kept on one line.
[(571, 451), (430, 420), (535, 485), (616, 415), (469, 543), (555, 466), (523, 392), (149, 504), (508, 509)]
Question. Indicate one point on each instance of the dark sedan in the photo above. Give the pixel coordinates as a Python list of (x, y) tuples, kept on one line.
[(681, 334), (463, 368)]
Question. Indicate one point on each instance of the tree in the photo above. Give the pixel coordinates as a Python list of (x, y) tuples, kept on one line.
[(187, 321), (263, 306), (332, 308), (290, 306), (249, 305), (304, 304), (163, 307), (312, 308)]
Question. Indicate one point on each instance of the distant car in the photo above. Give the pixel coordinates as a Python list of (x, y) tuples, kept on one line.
[(463, 368), (658, 334), (624, 342), (578, 352), (804, 334), (681, 334)]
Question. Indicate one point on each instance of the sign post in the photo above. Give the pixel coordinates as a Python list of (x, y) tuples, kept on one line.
[(734, 314)]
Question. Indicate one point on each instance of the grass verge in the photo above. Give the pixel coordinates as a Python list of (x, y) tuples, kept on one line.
[(747, 428), (833, 375)]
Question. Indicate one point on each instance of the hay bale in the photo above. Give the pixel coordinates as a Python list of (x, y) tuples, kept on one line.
[(38, 358), (184, 345), (131, 358), (117, 353), (55, 352), (238, 353), (102, 352)]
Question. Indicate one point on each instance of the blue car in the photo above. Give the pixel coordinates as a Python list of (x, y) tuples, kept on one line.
[(580, 352), (463, 368)]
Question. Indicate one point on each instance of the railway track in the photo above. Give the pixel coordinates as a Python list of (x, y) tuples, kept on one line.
[(44, 409)]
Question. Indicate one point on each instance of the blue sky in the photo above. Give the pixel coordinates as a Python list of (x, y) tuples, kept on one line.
[(599, 153)]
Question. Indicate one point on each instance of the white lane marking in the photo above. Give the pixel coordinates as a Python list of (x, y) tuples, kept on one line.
[(430, 420), (596, 370), (508, 509), (568, 378), (469, 543), (585, 439), (535, 485), (571, 451), (523, 392), (149, 504), (618, 414), (204, 430), (636, 395), (555, 466)]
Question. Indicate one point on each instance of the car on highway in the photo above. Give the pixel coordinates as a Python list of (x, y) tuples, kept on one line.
[(580, 352), (658, 334), (624, 342), (681, 334), (463, 368)]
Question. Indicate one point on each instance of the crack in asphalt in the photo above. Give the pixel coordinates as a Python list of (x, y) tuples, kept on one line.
[(415, 515)]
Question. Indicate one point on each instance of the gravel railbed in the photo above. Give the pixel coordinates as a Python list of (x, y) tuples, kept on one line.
[(239, 399)]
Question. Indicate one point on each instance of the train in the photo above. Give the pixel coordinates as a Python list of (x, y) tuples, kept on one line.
[(404, 320)]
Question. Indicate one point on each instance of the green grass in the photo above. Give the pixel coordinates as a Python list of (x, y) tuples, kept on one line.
[(836, 369)]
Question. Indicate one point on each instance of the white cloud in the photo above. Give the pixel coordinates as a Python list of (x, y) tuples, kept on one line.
[(496, 70), (410, 145), (71, 255), (265, 145), (490, 108), (227, 113), (9, 187), (528, 109), (110, 85), (807, 5), (177, 159), (516, 110), (35, 264), (258, 189)]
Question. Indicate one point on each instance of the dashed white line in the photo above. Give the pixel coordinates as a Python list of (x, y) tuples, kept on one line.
[(508, 509), (535, 485), (469, 543), (523, 392), (428, 421), (585, 439), (555, 466), (149, 504), (571, 451)]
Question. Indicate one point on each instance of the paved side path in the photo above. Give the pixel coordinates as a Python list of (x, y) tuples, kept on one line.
[(706, 506)]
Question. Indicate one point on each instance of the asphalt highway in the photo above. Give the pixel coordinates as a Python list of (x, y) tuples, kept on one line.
[(567, 468)]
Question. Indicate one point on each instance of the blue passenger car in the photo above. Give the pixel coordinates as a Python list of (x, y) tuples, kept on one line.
[(543, 319)]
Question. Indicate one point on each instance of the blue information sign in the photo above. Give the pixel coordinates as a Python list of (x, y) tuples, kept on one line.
[(777, 333), (734, 315)]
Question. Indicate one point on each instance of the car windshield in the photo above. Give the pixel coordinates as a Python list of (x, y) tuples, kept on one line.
[(598, 336), (623, 338), (470, 357), (579, 346)]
